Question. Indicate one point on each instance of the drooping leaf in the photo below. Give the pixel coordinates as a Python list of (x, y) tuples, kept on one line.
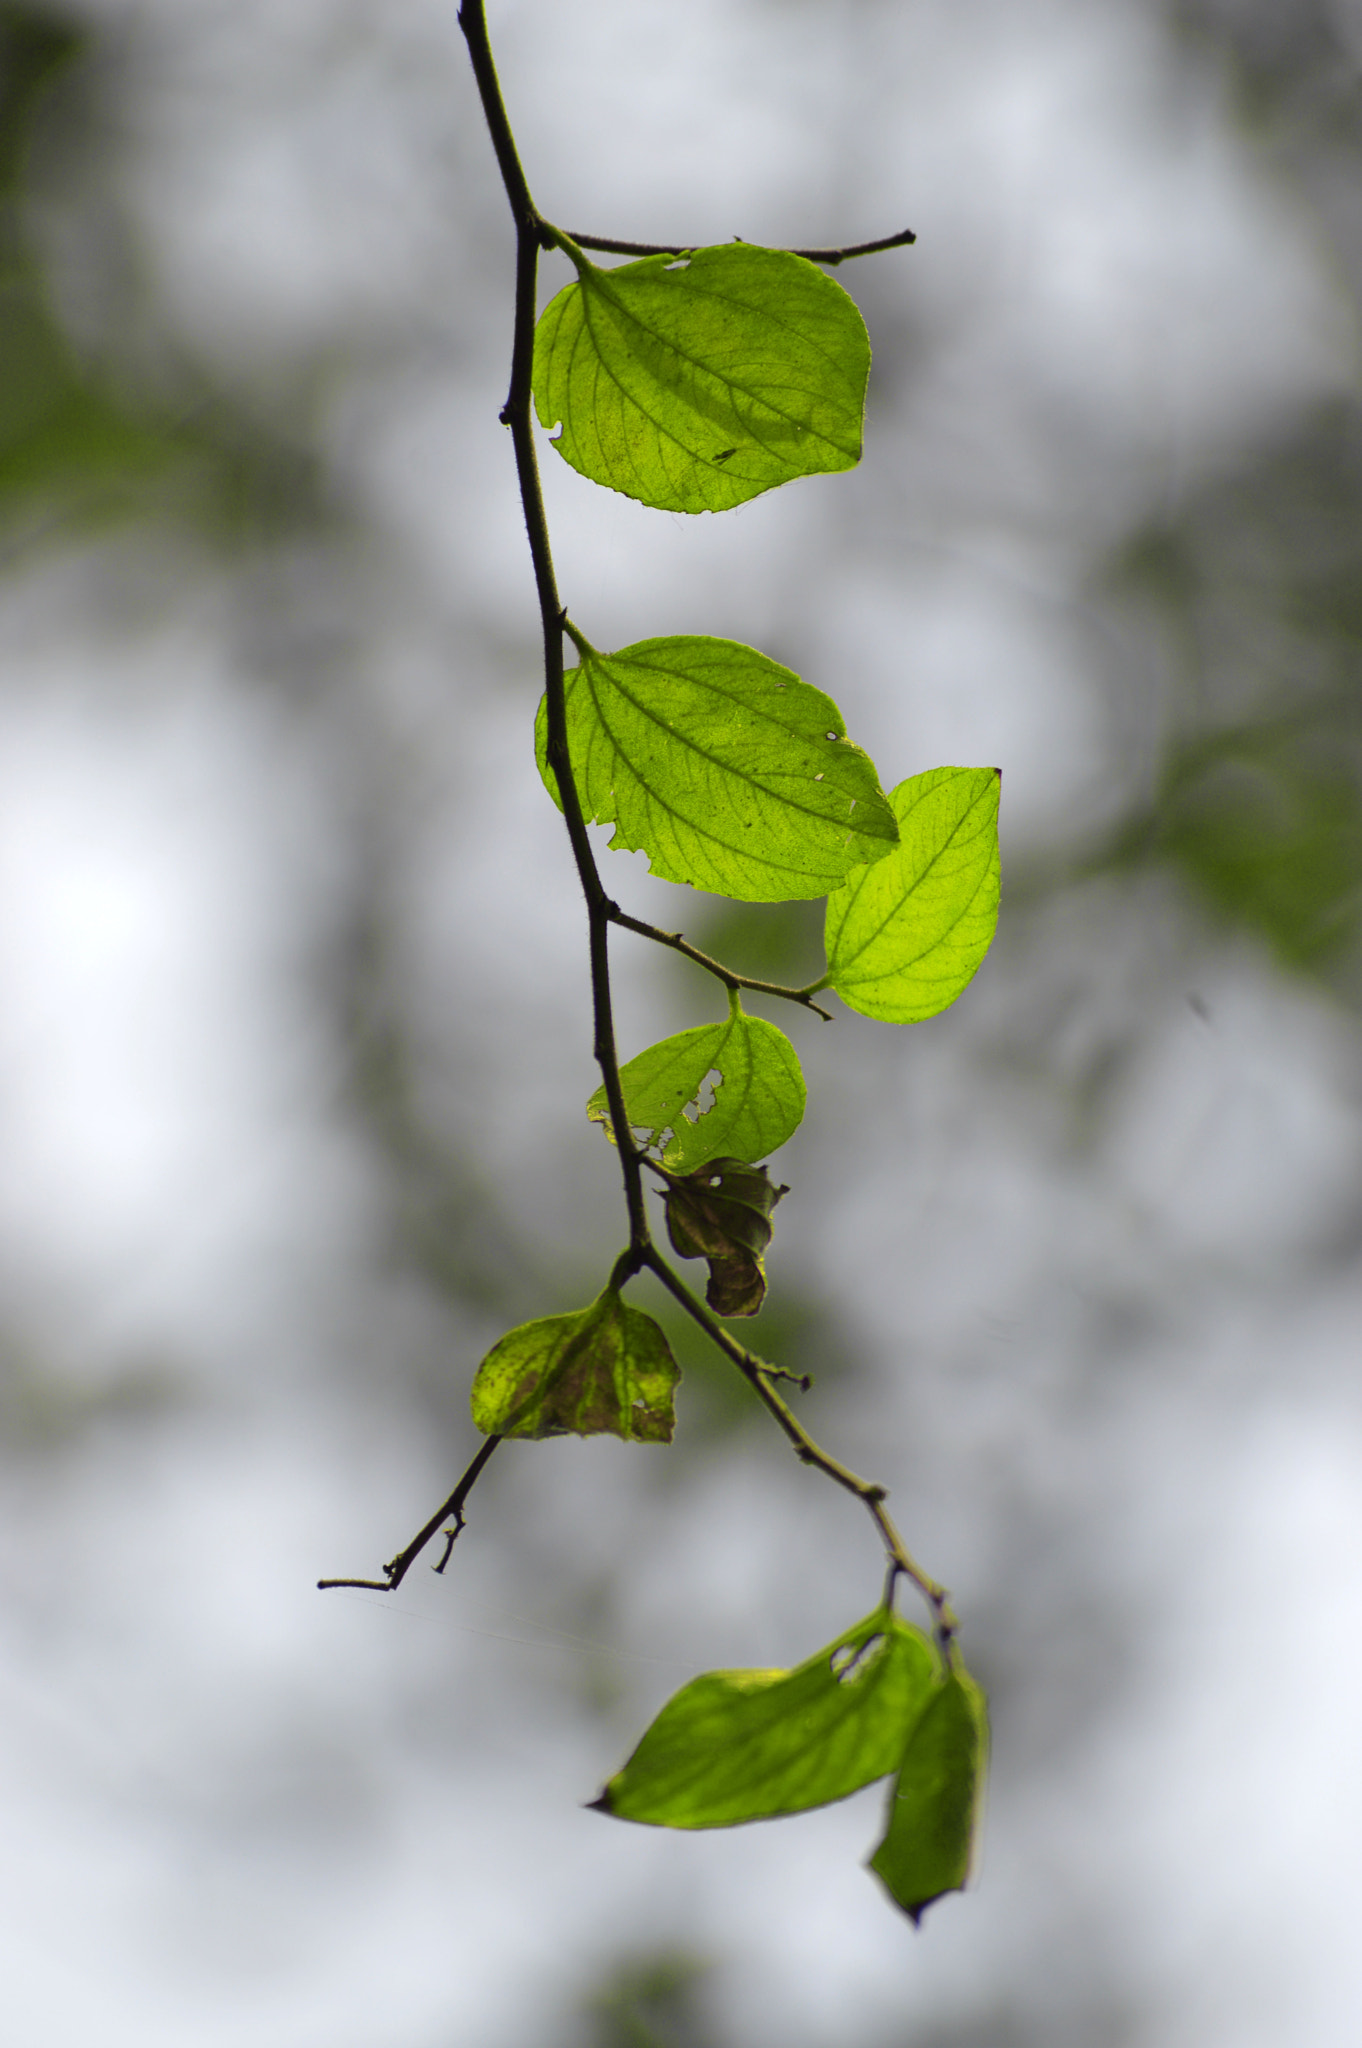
[(694, 383), (735, 1746), (606, 1370), (758, 1095), (722, 1213), (905, 936), (723, 767), (934, 1802)]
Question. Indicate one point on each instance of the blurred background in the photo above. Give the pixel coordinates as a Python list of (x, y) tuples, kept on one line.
[(294, 1040)]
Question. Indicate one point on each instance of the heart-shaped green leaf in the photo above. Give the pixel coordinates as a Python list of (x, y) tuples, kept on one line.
[(693, 383), (722, 766), (905, 936), (758, 1093), (735, 1746), (606, 1370)]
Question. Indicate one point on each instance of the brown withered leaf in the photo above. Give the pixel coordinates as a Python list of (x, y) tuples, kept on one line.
[(722, 1213)]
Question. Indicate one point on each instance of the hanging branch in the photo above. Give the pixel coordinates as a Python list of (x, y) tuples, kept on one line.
[(696, 387)]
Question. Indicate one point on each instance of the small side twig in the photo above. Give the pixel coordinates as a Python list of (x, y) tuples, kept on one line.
[(397, 1570), (832, 257), (678, 944)]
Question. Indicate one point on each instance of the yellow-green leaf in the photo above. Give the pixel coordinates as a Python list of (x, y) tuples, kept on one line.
[(907, 934), (758, 1095), (693, 383), (726, 769), (935, 1800), (606, 1370), (735, 1746)]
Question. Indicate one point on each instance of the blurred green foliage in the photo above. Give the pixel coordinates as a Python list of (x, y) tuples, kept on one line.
[(1255, 591), (78, 442)]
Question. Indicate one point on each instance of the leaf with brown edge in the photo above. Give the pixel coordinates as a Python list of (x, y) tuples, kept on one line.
[(606, 1370), (722, 1213)]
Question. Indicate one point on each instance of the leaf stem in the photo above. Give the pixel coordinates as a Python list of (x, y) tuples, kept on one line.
[(869, 1492), (832, 257), (730, 980)]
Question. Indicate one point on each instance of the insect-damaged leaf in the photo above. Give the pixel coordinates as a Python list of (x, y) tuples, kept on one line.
[(722, 766), (695, 383), (905, 936), (735, 1746), (606, 1370), (722, 1212), (934, 1801), (758, 1097)]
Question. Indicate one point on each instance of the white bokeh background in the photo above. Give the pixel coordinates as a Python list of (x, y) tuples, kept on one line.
[(293, 1043)]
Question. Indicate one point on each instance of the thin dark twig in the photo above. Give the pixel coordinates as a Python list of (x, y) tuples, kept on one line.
[(611, 247), (397, 1570), (869, 1492), (721, 973), (532, 234)]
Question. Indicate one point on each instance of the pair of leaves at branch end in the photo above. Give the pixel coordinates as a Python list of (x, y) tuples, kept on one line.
[(606, 1370), (735, 776), (738, 1746)]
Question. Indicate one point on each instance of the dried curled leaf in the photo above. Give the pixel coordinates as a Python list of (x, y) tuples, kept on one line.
[(722, 1213)]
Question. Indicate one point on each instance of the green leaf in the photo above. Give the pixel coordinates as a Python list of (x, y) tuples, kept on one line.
[(722, 766), (722, 1213), (694, 383), (905, 936), (758, 1096), (606, 1370), (934, 1804), (735, 1746)]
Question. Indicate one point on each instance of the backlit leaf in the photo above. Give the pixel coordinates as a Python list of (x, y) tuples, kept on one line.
[(906, 935), (735, 1746), (694, 383), (758, 1094), (606, 1370), (934, 1803), (723, 767)]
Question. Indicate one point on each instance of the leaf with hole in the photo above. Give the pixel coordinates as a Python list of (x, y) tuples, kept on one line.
[(723, 767), (934, 1802), (695, 383), (905, 936), (606, 1370), (758, 1096), (736, 1746)]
